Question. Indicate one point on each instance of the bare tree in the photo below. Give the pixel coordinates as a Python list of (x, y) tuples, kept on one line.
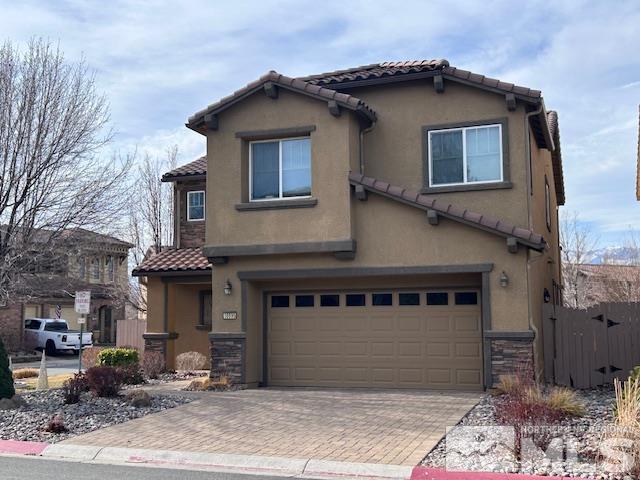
[(619, 280), (53, 127), (578, 244), (151, 215)]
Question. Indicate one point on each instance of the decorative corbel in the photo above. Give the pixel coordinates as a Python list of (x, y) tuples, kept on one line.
[(211, 121), (438, 83), (361, 193), (512, 244), (432, 217), (334, 108), (510, 98), (271, 90)]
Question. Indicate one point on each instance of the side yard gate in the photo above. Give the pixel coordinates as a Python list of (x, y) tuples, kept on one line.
[(589, 348), (129, 333)]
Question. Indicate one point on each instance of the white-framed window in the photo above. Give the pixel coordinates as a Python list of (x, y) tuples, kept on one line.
[(279, 169), (195, 205), (465, 155)]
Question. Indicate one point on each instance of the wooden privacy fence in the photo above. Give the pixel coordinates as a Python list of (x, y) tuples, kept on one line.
[(589, 348), (129, 333)]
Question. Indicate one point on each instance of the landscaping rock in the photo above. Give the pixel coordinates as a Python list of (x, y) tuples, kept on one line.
[(10, 403), (28, 422), (138, 398), (587, 431)]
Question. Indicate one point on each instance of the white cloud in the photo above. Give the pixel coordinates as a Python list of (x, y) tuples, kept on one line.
[(161, 61)]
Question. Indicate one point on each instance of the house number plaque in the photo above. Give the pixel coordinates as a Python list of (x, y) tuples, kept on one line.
[(229, 315)]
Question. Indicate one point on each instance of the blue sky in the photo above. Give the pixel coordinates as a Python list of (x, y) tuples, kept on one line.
[(158, 62)]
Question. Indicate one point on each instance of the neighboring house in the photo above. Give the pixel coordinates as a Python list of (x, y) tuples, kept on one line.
[(391, 225), (607, 283), (87, 261)]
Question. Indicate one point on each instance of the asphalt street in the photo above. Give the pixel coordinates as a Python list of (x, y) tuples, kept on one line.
[(26, 468), (57, 365)]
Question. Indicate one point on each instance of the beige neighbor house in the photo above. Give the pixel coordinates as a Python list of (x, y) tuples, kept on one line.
[(390, 225), (85, 261)]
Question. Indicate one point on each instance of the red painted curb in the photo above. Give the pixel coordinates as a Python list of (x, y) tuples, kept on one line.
[(425, 473), (17, 447)]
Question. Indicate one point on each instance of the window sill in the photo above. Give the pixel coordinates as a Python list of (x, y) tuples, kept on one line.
[(203, 327), (468, 188), (277, 204)]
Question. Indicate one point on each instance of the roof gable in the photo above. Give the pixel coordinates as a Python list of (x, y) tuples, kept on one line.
[(196, 170), (270, 82)]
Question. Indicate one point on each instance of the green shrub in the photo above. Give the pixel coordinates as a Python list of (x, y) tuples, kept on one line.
[(6, 379), (118, 357)]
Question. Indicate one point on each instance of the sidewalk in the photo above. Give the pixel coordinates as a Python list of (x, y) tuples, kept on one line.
[(247, 464)]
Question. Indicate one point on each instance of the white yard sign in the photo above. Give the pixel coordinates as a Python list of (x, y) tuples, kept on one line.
[(83, 302)]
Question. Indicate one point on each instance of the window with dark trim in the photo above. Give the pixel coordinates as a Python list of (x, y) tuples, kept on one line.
[(355, 300), (330, 300), (547, 203), (280, 301), (409, 299), (466, 298), (304, 301), (195, 206), (437, 298), (206, 316), (381, 299)]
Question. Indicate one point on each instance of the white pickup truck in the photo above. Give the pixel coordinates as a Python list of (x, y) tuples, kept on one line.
[(53, 335)]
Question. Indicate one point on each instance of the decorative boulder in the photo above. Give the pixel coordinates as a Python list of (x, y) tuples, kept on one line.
[(138, 399)]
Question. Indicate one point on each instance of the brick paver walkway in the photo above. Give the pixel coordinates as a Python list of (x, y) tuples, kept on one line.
[(393, 427)]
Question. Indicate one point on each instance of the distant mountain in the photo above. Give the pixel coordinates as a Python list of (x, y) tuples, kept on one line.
[(622, 255)]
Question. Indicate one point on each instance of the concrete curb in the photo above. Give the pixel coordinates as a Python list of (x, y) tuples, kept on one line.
[(247, 464)]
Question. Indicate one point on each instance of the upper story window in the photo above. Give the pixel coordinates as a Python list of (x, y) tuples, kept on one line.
[(465, 155), (110, 268), (195, 205), (95, 269), (547, 203), (280, 169), (82, 268)]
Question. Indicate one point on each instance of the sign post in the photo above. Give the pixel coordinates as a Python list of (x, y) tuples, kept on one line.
[(83, 307)]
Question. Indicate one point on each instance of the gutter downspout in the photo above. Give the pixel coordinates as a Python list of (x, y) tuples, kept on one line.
[(527, 147)]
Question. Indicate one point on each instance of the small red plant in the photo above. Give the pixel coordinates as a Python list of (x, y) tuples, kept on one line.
[(56, 425)]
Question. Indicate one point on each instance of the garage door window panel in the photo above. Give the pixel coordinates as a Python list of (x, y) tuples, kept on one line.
[(437, 298), (382, 299), (304, 301), (356, 300), (409, 299), (280, 301), (329, 300), (466, 298)]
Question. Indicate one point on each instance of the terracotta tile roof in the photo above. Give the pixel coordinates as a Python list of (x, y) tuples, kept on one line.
[(197, 168), (556, 155), (342, 99), (411, 68), (447, 210), (173, 260)]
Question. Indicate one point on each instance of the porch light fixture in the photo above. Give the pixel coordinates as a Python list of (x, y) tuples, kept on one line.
[(504, 280), (227, 287)]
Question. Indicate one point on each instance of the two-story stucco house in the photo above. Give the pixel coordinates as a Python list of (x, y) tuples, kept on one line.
[(83, 260), (390, 225)]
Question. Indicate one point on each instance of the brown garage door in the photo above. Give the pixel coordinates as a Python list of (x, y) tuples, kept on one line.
[(397, 339)]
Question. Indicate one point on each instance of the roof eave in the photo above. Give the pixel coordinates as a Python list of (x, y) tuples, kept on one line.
[(166, 273), (179, 178)]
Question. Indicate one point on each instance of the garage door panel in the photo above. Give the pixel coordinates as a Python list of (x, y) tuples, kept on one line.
[(403, 346)]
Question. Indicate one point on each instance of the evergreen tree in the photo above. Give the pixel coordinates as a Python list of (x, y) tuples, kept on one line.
[(6, 379)]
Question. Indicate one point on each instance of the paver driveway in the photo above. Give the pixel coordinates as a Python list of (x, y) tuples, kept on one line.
[(394, 427)]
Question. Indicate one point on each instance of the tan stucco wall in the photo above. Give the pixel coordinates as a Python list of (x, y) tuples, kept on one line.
[(544, 267), (184, 315), (394, 150), (227, 182), (155, 305), (390, 234)]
